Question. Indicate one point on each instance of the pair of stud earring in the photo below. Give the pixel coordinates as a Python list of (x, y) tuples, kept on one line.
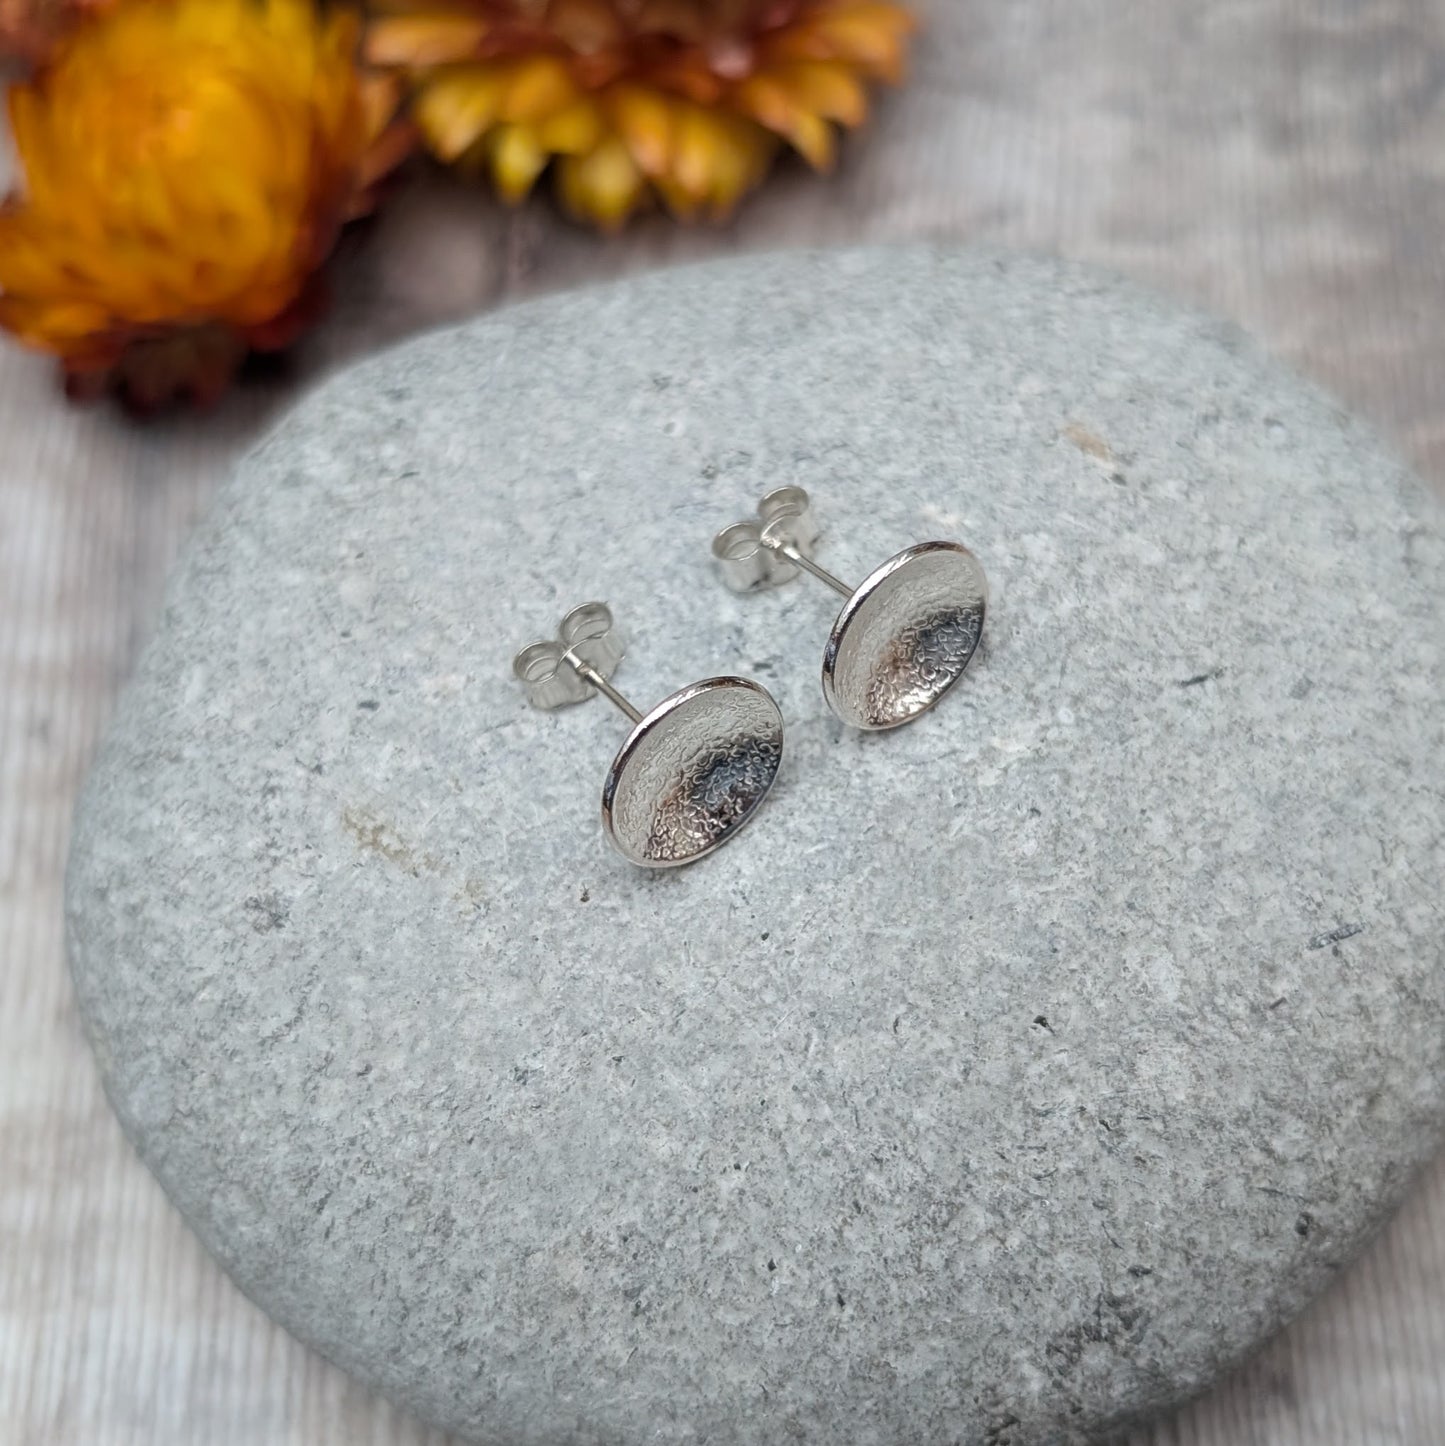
[(695, 769)]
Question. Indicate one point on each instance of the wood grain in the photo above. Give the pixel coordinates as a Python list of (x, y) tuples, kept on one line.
[(1281, 161)]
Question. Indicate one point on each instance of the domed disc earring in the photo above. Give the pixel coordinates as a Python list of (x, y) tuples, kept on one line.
[(692, 772), (904, 637)]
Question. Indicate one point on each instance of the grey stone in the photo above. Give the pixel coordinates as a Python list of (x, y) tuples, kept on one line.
[(1013, 1075)]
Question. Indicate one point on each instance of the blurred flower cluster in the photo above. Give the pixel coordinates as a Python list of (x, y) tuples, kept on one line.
[(186, 166)]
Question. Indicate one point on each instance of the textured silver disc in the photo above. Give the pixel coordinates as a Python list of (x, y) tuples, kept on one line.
[(693, 772), (906, 636)]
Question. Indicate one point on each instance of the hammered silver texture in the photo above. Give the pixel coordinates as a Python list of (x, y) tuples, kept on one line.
[(906, 637), (693, 772)]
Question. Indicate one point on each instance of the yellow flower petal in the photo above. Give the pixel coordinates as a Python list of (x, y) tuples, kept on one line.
[(517, 160), (783, 112), (814, 139), (644, 121), (458, 106), (538, 87), (768, 101), (701, 137), (419, 40), (870, 35), (828, 87), (740, 165), (604, 185), (572, 132)]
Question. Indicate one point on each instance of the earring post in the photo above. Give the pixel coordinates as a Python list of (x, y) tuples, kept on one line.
[(593, 678), (808, 565)]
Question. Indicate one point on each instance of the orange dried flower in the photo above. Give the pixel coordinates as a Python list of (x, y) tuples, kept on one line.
[(188, 165), (684, 100)]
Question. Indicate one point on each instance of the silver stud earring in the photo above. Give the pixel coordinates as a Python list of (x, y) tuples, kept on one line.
[(904, 637), (692, 772)]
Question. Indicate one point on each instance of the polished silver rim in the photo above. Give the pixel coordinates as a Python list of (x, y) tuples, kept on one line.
[(693, 772), (906, 636)]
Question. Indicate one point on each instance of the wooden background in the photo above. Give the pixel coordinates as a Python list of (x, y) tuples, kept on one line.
[(1280, 161)]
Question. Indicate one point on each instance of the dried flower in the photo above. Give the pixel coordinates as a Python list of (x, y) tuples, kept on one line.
[(685, 100), (188, 165)]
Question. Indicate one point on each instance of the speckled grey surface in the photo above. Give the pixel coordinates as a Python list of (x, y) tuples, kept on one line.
[(1013, 1074)]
